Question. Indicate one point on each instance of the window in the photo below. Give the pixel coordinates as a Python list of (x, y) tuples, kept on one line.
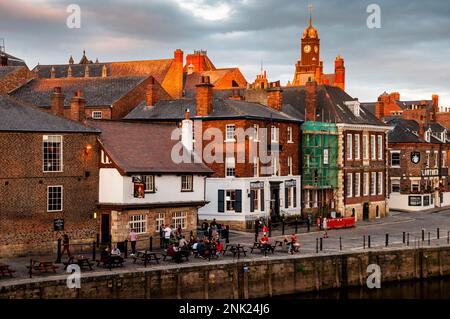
[(357, 184), (373, 186), (349, 147), (290, 197), (380, 183), (256, 132), (357, 146), (415, 186), (289, 165), (255, 197), (307, 199), (325, 156), (149, 182), (255, 166), (395, 159), (274, 134), (275, 166), (159, 221), (179, 219), (52, 152), (104, 158), (428, 159), (230, 167), (444, 159), (427, 136), (349, 184), (380, 147), (230, 200), (289, 135), (366, 147), (54, 198), (373, 148), (186, 183), (230, 132), (366, 184), (138, 223), (395, 186), (436, 159), (97, 115)]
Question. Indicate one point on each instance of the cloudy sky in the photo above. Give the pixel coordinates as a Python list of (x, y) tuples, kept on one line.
[(410, 53)]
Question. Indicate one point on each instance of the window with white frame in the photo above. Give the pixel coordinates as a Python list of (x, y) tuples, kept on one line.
[(138, 223), (289, 165), (230, 167), (349, 147), (256, 132), (444, 159), (274, 134), (325, 156), (428, 159), (97, 115), (290, 198), (289, 134), (179, 219), (307, 199), (380, 147), (380, 183), (395, 186), (357, 147), (230, 200), (230, 132), (159, 221), (187, 183), (54, 198), (357, 184), (52, 153), (104, 158), (395, 158), (427, 136), (373, 147), (436, 159), (255, 166), (149, 183), (349, 184), (373, 185), (415, 186), (255, 198), (275, 166), (366, 147), (366, 184)]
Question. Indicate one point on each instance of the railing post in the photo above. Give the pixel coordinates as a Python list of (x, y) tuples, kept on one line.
[(126, 248), (308, 225), (407, 240), (58, 252), (438, 233), (404, 237), (423, 234), (98, 240), (387, 240), (340, 243), (448, 237), (296, 226), (151, 243), (429, 238), (282, 227), (321, 244), (364, 242), (368, 241), (317, 245), (94, 245)]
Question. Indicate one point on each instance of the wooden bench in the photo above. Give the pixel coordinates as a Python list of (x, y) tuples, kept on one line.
[(5, 270), (41, 267), (111, 261), (178, 256), (146, 257)]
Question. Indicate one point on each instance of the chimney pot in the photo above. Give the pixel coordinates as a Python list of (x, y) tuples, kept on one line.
[(204, 96), (57, 102)]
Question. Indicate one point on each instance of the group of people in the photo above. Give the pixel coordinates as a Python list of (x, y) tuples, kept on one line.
[(322, 224), (169, 235), (214, 229)]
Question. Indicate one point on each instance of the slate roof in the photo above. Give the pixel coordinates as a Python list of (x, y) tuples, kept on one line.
[(14, 61), (96, 91), (143, 147), (174, 110), (78, 70), (21, 117), (404, 105), (330, 106), (405, 131)]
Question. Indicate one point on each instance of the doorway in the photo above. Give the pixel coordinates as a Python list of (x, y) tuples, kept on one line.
[(105, 229), (275, 202), (366, 211)]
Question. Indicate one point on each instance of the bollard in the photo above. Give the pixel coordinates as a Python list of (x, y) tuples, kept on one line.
[(387, 240), (126, 248), (364, 242), (438, 233), (368, 241), (296, 227), (448, 237), (404, 237), (321, 244), (407, 240), (423, 234), (151, 243), (308, 225), (31, 268), (340, 243), (317, 245), (58, 252), (282, 227), (94, 247), (429, 237), (98, 240)]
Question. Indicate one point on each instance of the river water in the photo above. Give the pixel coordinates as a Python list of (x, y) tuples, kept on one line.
[(427, 289)]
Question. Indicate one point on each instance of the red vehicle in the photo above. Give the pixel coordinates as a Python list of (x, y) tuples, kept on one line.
[(335, 223)]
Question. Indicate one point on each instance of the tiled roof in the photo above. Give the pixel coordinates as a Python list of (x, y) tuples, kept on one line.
[(330, 105), (143, 147), (405, 131), (78, 70), (96, 91), (222, 108), (5, 70), (18, 116)]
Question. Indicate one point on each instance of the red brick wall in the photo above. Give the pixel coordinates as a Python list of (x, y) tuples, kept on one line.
[(24, 221)]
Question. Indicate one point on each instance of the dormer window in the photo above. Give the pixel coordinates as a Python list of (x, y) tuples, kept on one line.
[(444, 136), (427, 136), (353, 106)]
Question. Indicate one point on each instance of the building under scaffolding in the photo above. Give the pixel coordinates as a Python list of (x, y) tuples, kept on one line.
[(320, 168)]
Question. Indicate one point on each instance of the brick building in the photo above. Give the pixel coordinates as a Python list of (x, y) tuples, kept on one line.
[(243, 187), (141, 187), (48, 180)]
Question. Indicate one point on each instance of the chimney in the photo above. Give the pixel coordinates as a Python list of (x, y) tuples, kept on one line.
[(187, 133), (57, 102), (77, 106), (151, 94), (311, 101), (176, 89), (275, 96), (421, 131), (3, 60), (435, 102), (339, 73), (104, 71), (204, 96), (379, 108)]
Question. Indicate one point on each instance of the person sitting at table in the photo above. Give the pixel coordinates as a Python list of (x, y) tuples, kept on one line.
[(183, 243), (264, 244), (115, 251), (201, 247), (219, 248), (292, 244)]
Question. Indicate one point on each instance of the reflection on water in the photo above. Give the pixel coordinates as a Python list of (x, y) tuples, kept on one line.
[(426, 289)]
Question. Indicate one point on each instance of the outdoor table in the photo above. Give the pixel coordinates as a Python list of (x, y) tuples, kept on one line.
[(80, 261), (42, 266), (235, 249), (146, 257)]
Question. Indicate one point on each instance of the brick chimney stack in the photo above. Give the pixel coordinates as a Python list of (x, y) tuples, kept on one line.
[(57, 102), (275, 96), (77, 107), (151, 94), (311, 101), (177, 86), (435, 102), (339, 73), (204, 96)]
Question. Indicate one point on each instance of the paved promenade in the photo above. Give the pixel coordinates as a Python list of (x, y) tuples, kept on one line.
[(352, 240)]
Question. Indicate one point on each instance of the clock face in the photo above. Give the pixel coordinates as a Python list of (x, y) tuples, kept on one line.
[(307, 48), (316, 49)]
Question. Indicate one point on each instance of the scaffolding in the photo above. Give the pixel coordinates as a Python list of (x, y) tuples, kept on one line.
[(320, 168)]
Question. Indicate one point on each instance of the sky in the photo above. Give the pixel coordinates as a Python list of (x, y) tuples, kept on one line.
[(409, 53)]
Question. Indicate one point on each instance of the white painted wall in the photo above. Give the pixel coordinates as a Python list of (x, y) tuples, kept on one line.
[(401, 201), (118, 189)]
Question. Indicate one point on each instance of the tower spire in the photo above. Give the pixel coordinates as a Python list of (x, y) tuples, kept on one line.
[(310, 9)]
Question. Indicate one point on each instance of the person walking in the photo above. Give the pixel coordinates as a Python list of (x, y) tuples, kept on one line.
[(325, 227), (132, 237), (66, 245)]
